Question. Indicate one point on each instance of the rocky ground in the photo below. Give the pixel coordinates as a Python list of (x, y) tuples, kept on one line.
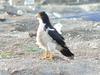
[(19, 55)]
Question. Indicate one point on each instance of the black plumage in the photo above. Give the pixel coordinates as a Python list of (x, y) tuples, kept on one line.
[(57, 37)]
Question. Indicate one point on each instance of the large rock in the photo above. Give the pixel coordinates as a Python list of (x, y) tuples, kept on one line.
[(29, 24), (87, 54)]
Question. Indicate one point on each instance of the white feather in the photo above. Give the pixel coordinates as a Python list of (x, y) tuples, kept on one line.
[(58, 27)]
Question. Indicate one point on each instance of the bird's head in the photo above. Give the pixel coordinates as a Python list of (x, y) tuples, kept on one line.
[(42, 16)]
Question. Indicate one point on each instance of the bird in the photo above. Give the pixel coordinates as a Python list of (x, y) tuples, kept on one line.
[(49, 39)]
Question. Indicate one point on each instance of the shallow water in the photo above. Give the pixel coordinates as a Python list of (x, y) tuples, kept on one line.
[(88, 16)]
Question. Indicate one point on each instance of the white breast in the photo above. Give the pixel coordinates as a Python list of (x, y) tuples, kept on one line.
[(58, 27), (42, 37)]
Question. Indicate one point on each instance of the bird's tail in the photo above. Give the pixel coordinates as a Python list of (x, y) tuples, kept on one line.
[(66, 52)]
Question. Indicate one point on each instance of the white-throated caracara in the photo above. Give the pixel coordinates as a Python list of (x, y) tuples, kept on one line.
[(49, 39)]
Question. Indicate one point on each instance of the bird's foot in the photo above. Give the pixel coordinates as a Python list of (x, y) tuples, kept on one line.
[(48, 55)]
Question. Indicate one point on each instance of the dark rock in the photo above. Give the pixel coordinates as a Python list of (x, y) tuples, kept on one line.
[(2, 20), (12, 11), (31, 34), (29, 24)]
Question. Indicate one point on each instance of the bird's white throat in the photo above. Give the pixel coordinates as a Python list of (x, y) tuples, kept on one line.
[(41, 24), (40, 20)]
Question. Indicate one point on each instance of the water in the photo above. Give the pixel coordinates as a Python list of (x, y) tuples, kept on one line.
[(88, 16), (88, 12)]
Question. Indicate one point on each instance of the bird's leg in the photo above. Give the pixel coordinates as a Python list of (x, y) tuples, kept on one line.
[(44, 56), (48, 55)]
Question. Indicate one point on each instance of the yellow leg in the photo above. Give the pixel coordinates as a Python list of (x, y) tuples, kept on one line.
[(48, 55), (45, 54), (51, 56)]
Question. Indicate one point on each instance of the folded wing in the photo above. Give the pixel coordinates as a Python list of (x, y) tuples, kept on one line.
[(56, 37)]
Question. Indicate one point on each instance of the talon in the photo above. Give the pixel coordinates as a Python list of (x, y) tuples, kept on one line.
[(47, 55)]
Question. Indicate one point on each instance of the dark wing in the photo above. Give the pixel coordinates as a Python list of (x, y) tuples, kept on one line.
[(59, 34), (56, 37), (55, 31)]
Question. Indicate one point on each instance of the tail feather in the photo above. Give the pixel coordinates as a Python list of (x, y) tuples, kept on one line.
[(66, 52)]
